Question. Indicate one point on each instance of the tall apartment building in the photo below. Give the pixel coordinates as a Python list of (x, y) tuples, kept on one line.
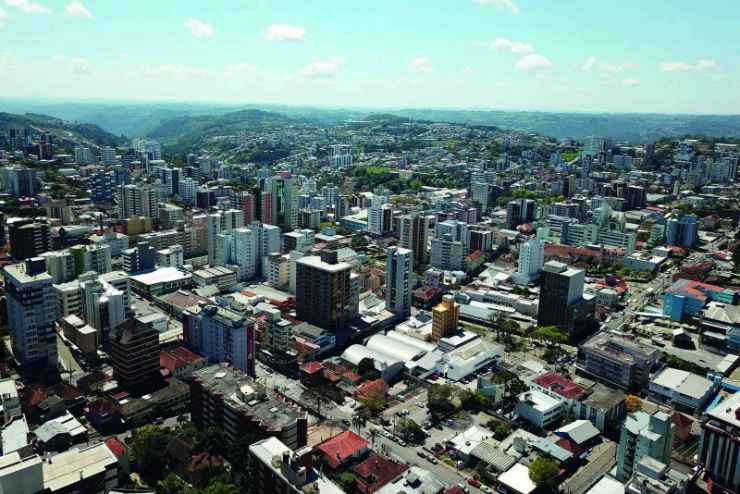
[(447, 254), (102, 186), (28, 238), (268, 242), (682, 231), (398, 269), (103, 307), (531, 259), (171, 257), (137, 200), (617, 361), (324, 293), (135, 353), (31, 314), (20, 181), (379, 215), (227, 398), (139, 259), (283, 190), (60, 265), (221, 222), (719, 446), (644, 435), (300, 240), (444, 318), (221, 335), (561, 300), (239, 249), (93, 257), (414, 235)]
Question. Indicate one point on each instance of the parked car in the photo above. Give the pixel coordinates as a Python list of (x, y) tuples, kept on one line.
[(474, 483)]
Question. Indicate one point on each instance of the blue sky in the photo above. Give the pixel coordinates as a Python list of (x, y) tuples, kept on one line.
[(677, 56)]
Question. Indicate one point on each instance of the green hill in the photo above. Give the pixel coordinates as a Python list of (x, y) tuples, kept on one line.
[(64, 132)]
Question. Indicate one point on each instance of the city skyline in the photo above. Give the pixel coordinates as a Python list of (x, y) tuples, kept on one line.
[(505, 54)]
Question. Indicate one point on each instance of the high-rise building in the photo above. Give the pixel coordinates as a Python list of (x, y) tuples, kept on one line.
[(644, 435), (398, 268), (20, 181), (60, 265), (561, 300), (594, 146), (414, 235), (139, 259), (221, 222), (379, 215), (682, 231), (458, 231), (171, 257), (28, 238), (135, 353), (635, 197), (92, 257), (239, 248), (444, 318), (31, 314), (108, 156), (103, 307), (102, 186), (284, 201), (221, 335), (447, 254), (137, 200), (268, 241), (518, 212), (83, 155), (719, 447), (324, 293), (531, 258)]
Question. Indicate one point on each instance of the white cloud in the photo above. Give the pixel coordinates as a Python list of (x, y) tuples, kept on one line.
[(630, 82), (534, 61), (321, 69), (77, 9), (28, 6), (421, 64), (681, 66), (505, 44), (467, 70), (501, 4), (199, 28), (284, 32), (80, 66), (3, 17), (593, 63), (241, 69), (169, 70)]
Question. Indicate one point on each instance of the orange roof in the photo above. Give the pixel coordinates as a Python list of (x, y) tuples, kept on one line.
[(177, 358), (116, 446), (341, 447)]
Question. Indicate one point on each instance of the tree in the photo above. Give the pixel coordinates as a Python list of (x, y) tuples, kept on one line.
[(366, 369), (147, 448), (632, 403), (347, 481), (373, 435), (411, 430), (220, 487), (172, 484), (439, 400), (358, 421), (543, 472), (551, 334), (373, 403)]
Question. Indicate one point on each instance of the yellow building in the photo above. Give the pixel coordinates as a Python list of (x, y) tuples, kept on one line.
[(444, 318)]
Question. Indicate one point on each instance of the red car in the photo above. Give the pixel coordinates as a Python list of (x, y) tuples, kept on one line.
[(474, 483)]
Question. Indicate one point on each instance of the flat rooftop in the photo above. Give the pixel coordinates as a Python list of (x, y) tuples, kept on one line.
[(65, 469)]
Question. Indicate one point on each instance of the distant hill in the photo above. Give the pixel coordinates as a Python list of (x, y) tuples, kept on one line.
[(70, 131), (185, 133)]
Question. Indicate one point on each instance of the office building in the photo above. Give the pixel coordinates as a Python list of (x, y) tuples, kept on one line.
[(92, 257), (324, 293), (561, 301), (221, 335), (20, 181), (31, 314), (447, 254), (283, 190), (227, 398), (719, 447), (414, 235), (519, 211), (398, 270), (617, 361), (644, 435), (135, 353), (444, 318), (682, 231)]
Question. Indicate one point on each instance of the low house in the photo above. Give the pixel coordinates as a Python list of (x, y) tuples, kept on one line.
[(342, 449), (375, 471)]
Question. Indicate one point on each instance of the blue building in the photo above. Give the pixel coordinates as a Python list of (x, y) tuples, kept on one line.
[(688, 297), (682, 232)]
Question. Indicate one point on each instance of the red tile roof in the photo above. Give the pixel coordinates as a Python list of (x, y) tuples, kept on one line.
[(561, 385), (177, 358), (369, 387), (375, 472), (116, 446), (342, 447), (311, 367)]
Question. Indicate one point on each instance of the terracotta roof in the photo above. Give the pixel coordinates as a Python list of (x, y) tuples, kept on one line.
[(177, 358), (311, 367), (561, 385), (374, 472), (116, 446), (341, 447), (202, 461), (368, 387)]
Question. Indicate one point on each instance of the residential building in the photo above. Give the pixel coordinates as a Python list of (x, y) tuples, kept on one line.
[(221, 222), (644, 435), (31, 314), (28, 237), (171, 257), (447, 254), (531, 259), (93, 257), (60, 265), (220, 335), (135, 353), (137, 200), (225, 397), (398, 270)]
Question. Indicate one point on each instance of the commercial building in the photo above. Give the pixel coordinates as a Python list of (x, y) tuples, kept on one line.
[(682, 231), (682, 389), (616, 360), (562, 302), (414, 235), (219, 276), (398, 270), (719, 447), (644, 435), (531, 259), (163, 280), (89, 469), (31, 314), (688, 297), (324, 295), (227, 398), (447, 254), (220, 335), (540, 409), (135, 353), (445, 317), (28, 237)]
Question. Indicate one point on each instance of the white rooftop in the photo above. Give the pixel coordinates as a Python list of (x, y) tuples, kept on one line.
[(607, 485), (517, 479), (683, 382), (161, 275), (727, 410), (540, 401), (64, 469)]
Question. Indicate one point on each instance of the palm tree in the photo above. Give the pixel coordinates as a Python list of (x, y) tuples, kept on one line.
[(373, 435)]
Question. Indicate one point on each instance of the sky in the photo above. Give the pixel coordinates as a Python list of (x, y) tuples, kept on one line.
[(668, 56)]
